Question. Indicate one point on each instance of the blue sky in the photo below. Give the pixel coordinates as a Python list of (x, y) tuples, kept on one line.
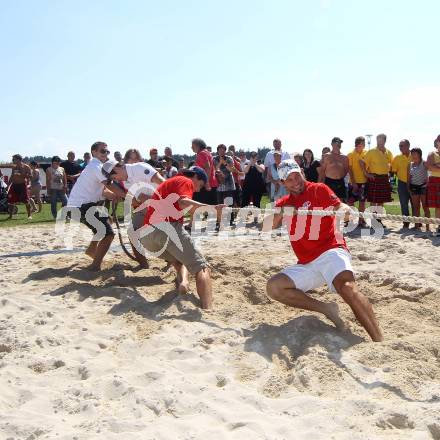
[(143, 73)]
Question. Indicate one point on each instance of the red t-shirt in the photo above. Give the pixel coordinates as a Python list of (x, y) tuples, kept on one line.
[(164, 203), (237, 165), (311, 236), (203, 157)]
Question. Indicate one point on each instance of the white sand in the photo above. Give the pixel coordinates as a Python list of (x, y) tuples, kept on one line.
[(120, 355)]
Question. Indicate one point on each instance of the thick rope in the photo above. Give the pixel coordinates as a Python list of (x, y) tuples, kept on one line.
[(340, 213), (118, 227)]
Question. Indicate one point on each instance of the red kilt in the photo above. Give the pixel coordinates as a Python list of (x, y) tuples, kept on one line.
[(18, 193), (433, 193), (379, 189)]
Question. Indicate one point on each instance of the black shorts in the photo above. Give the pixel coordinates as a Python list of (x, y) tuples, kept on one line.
[(100, 216), (338, 187), (417, 190), (222, 195), (206, 197)]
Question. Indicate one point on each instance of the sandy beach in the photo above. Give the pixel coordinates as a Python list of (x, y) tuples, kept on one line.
[(119, 355)]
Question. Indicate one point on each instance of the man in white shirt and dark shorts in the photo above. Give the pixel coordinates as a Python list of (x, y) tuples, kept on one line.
[(89, 192)]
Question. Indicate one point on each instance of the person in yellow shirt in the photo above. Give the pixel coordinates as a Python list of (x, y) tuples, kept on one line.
[(433, 165), (376, 166), (400, 167), (357, 189)]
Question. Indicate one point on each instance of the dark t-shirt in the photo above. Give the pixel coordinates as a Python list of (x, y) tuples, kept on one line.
[(71, 168), (311, 172), (155, 163)]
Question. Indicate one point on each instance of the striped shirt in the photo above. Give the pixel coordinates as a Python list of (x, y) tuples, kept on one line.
[(418, 174)]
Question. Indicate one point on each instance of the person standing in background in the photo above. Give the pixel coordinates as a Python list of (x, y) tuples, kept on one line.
[(224, 167), (269, 160), (376, 167), (400, 166), (170, 170), (71, 169), (35, 183), (310, 166), (118, 157), (86, 159), (17, 187), (334, 168), (417, 179), (277, 189), (56, 184), (154, 160), (204, 160), (253, 185), (298, 158), (357, 189), (168, 154), (433, 165), (324, 151), (236, 175)]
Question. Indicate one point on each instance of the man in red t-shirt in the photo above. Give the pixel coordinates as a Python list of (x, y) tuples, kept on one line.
[(322, 253), (164, 236), (204, 160)]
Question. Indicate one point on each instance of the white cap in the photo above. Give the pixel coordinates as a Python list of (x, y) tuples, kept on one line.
[(107, 167), (287, 167)]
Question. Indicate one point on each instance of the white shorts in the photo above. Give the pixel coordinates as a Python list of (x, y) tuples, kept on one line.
[(322, 270)]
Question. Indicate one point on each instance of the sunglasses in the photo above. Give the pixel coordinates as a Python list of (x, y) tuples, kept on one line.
[(104, 151)]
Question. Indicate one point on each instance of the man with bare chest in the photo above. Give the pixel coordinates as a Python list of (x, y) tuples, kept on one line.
[(334, 168), (18, 191)]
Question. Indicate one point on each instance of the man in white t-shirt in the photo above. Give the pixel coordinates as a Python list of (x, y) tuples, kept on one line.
[(269, 161), (89, 192), (140, 180)]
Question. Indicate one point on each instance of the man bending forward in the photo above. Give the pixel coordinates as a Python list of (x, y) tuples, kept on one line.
[(322, 253)]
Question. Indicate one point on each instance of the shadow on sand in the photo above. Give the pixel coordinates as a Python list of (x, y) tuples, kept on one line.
[(116, 282), (304, 332)]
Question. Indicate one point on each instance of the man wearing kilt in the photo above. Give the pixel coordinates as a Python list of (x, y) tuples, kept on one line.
[(433, 165), (376, 166)]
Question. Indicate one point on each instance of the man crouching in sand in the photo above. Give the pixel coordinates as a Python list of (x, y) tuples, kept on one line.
[(164, 235), (322, 253)]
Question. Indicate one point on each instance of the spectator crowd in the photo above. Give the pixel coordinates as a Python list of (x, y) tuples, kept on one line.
[(240, 178)]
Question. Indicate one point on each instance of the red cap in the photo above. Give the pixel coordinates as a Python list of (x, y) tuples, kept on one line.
[(153, 150)]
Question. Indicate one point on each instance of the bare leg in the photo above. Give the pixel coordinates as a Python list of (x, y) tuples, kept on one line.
[(281, 288), (101, 250), (91, 250), (204, 287), (28, 209), (346, 287), (40, 205), (181, 278), (32, 205), (362, 209), (416, 208)]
